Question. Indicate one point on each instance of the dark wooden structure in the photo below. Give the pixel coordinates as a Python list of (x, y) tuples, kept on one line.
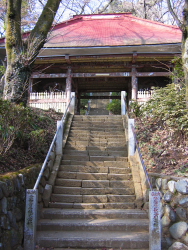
[(106, 53)]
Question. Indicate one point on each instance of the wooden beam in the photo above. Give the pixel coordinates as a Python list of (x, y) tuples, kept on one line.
[(153, 74), (93, 75)]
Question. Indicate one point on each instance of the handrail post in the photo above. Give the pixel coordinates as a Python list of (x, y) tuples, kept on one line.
[(155, 220), (123, 104), (131, 140), (30, 219), (59, 138)]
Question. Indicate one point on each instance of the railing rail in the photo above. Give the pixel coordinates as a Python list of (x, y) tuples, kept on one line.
[(141, 158), (60, 126), (32, 194), (154, 196)]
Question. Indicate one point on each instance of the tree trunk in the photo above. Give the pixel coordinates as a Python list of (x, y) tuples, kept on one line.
[(185, 48), (21, 54)]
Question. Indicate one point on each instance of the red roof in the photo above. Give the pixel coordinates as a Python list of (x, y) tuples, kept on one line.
[(111, 30)]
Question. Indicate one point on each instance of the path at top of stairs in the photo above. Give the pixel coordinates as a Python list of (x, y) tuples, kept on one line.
[(93, 201)]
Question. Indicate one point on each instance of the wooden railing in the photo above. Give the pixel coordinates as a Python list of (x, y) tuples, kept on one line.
[(48, 100)]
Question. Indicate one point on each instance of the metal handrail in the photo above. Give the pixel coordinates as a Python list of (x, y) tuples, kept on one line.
[(141, 159), (51, 146)]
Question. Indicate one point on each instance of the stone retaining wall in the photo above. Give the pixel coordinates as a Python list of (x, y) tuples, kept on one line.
[(12, 206), (174, 210)]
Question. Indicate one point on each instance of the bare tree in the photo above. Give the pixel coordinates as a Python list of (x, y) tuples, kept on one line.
[(183, 25), (21, 53), (156, 10)]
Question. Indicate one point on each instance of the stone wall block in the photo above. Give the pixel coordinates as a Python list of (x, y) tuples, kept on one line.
[(46, 173), (1, 193), (43, 181), (171, 186), (173, 215), (3, 206), (12, 220), (175, 200), (182, 186), (168, 196), (4, 188), (11, 202), (164, 184), (50, 164), (158, 183), (47, 194), (181, 213), (5, 223), (52, 156), (178, 230), (19, 214), (10, 186), (183, 202), (178, 246), (17, 184), (185, 239), (40, 189), (21, 179)]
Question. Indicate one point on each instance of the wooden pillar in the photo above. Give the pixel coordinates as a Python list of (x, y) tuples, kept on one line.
[(134, 84), (68, 85)]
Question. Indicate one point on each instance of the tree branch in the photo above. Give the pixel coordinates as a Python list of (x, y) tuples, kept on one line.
[(105, 7), (179, 23)]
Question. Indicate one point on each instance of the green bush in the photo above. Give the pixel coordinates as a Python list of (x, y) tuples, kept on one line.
[(115, 107), (167, 108)]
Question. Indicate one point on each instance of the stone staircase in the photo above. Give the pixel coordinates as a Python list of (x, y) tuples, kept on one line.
[(93, 205)]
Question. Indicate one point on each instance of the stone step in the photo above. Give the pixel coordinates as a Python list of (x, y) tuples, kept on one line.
[(94, 183), (96, 133), (92, 191), (81, 144), (91, 125), (95, 153), (93, 176), (54, 213), (104, 224), (65, 248), (94, 139), (94, 169), (130, 240), (94, 158), (120, 164), (74, 205), (67, 198)]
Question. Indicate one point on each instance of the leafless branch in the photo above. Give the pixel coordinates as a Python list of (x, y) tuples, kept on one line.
[(179, 23)]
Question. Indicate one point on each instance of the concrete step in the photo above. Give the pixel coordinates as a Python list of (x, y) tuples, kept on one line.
[(104, 224), (94, 169), (65, 248), (82, 158), (120, 164), (95, 139), (93, 176), (92, 191), (96, 133), (95, 152), (129, 240), (94, 183), (111, 198), (85, 143), (74, 205), (54, 213)]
